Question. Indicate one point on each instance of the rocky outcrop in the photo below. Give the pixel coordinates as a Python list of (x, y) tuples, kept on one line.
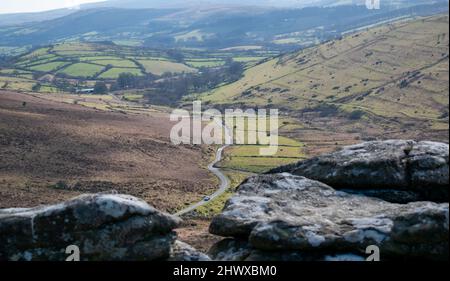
[(184, 252), (102, 226), (288, 217), (325, 208), (415, 170)]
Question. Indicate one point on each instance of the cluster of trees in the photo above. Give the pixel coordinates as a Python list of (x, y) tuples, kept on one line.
[(168, 89), (100, 88), (4, 60), (176, 55), (36, 87), (131, 81), (64, 85)]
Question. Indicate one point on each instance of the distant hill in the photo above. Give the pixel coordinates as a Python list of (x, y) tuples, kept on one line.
[(212, 27), (393, 77), (21, 18), (157, 4), (132, 4)]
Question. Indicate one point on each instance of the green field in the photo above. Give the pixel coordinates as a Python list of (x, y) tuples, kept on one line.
[(256, 164), (48, 89), (248, 157), (132, 97), (48, 67), (151, 57), (161, 67), (113, 73), (116, 63), (13, 71), (205, 63), (254, 151), (37, 60), (70, 64), (77, 59), (97, 58), (248, 59), (82, 70)]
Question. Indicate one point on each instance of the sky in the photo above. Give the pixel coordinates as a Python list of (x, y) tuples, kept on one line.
[(26, 6)]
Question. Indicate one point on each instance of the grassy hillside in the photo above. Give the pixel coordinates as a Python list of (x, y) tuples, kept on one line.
[(394, 75)]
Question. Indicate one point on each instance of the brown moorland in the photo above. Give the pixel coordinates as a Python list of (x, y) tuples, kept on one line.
[(52, 151)]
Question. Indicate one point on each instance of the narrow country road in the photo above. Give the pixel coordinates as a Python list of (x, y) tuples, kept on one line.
[(224, 181)]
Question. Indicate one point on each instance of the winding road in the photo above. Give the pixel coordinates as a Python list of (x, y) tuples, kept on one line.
[(224, 181)]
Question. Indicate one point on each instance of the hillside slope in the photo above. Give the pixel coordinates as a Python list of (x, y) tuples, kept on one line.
[(394, 75), (51, 151)]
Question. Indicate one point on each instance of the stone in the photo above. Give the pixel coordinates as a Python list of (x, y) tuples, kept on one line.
[(241, 250), (290, 214), (182, 252), (102, 226), (421, 168)]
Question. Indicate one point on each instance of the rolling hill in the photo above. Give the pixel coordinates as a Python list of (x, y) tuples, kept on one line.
[(56, 66), (207, 26), (140, 4), (53, 148), (384, 82)]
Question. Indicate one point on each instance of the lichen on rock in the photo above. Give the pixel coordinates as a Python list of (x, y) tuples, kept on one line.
[(281, 215), (103, 227), (418, 170)]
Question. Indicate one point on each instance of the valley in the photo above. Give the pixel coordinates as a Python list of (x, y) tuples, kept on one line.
[(324, 102), (87, 110), (365, 85), (73, 66)]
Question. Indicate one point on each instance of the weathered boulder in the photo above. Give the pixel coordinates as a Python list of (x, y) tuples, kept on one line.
[(241, 250), (417, 167), (102, 226), (184, 252), (295, 218)]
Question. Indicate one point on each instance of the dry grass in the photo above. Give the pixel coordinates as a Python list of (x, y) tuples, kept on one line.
[(43, 142), (396, 75)]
